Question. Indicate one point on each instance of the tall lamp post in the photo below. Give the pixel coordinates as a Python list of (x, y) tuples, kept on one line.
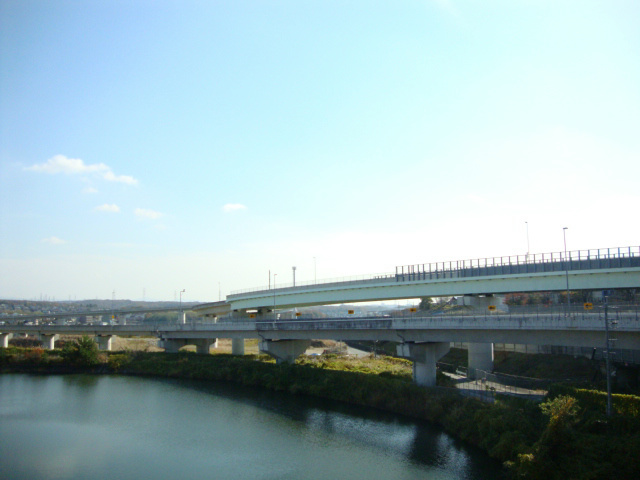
[(566, 268), (528, 249), (181, 320), (274, 297), (294, 276)]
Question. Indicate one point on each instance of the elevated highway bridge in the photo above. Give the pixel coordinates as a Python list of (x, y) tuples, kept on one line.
[(423, 339), (602, 269)]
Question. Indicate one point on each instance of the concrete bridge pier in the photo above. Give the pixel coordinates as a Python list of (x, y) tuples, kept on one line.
[(237, 346), (284, 351), (48, 341), (424, 357), (483, 302), (104, 342), (480, 357), (173, 345), (204, 344), (4, 339)]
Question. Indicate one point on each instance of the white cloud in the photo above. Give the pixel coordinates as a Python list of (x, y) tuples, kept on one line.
[(113, 208), (54, 241), (90, 190), (146, 213), (111, 177), (233, 207), (76, 166)]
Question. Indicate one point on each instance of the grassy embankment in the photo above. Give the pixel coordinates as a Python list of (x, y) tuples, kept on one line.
[(567, 437)]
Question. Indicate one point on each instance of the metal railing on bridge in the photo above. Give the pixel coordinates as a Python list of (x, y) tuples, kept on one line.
[(514, 264), (622, 257)]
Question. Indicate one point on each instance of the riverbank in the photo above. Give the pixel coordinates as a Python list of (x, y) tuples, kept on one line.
[(569, 437)]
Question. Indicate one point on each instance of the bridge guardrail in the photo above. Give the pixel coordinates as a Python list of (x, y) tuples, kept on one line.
[(620, 257), (626, 321), (617, 311)]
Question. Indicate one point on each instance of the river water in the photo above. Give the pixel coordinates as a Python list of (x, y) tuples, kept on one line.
[(94, 427)]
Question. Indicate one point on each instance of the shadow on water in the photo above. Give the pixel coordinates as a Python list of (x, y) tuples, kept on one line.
[(418, 441)]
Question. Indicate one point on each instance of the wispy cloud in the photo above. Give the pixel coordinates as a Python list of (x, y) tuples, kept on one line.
[(233, 207), (54, 241), (112, 208), (146, 213), (76, 166), (89, 190)]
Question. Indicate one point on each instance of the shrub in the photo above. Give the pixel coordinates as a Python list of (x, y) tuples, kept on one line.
[(82, 353)]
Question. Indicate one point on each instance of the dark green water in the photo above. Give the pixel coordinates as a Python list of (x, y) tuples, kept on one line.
[(93, 427)]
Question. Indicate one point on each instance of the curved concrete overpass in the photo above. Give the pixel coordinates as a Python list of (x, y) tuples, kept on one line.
[(600, 269)]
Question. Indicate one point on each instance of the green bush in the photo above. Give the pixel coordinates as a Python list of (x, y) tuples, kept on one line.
[(627, 405), (82, 353)]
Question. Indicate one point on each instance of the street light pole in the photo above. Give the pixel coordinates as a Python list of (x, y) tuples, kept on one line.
[(181, 312), (528, 249), (566, 269), (294, 276), (274, 297)]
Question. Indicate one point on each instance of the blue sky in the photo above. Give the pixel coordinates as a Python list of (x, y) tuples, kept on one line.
[(149, 147)]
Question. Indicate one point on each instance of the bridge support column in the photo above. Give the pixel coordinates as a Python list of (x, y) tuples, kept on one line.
[(424, 357), (480, 357), (49, 341), (173, 345), (284, 351), (204, 344), (237, 346), (104, 342), (482, 303), (4, 339)]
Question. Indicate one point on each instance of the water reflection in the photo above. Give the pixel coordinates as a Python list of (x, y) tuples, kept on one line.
[(412, 441), (74, 426)]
